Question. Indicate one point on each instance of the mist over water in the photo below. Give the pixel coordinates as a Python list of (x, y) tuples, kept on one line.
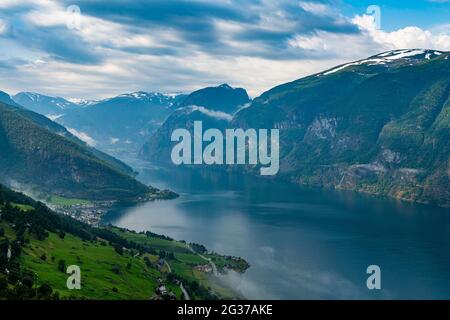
[(300, 243)]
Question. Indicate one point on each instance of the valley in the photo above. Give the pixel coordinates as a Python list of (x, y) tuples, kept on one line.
[(102, 176)]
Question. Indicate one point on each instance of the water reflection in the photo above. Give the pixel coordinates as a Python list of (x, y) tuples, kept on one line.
[(301, 243)]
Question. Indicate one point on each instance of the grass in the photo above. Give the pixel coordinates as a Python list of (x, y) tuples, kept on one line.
[(185, 260), (61, 201), (154, 242), (96, 261), (106, 274), (9, 232), (22, 207)]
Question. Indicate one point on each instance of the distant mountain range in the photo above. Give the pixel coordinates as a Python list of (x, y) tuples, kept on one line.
[(380, 125), (117, 125)]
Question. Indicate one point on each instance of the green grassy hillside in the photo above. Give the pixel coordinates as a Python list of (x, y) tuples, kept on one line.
[(114, 263), (37, 157), (54, 127)]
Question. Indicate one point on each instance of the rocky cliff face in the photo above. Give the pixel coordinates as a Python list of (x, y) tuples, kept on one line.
[(213, 106), (380, 125)]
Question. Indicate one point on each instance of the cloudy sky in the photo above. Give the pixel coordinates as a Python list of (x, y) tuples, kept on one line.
[(117, 46)]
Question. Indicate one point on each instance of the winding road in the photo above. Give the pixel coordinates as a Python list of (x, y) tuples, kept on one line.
[(213, 265)]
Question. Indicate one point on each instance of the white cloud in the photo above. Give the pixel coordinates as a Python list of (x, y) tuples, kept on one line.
[(83, 136), (411, 37), (315, 8), (123, 70), (213, 114), (329, 46), (54, 117), (48, 16)]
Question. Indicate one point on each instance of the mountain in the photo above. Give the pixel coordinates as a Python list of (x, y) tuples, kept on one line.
[(222, 98), (84, 102), (213, 106), (6, 98), (380, 125), (62, 131), (37, 153), (122, 124), (52, 107)]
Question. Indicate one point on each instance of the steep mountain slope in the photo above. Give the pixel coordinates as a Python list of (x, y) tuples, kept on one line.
[(60, 130), (213, 106), (379, 125), (40, 158), (6, 99)]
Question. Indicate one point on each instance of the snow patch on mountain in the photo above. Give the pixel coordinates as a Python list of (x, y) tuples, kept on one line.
[(58, 102), (83, 102), (401, 54), (389, 57)]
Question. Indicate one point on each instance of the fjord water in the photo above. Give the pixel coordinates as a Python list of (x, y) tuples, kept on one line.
[(300, 243)]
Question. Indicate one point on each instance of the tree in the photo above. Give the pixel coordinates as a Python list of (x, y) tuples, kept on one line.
[(28, 282), (199, 248), (16, 249), (119, 249), (116, 269), (3, 283), (62, 266), (44, 291)]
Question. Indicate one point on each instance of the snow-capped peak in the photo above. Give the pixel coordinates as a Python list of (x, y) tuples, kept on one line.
[(409, 53), (56, 101), (225, 86), (147, 96), (390, 57), (83, 102)]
